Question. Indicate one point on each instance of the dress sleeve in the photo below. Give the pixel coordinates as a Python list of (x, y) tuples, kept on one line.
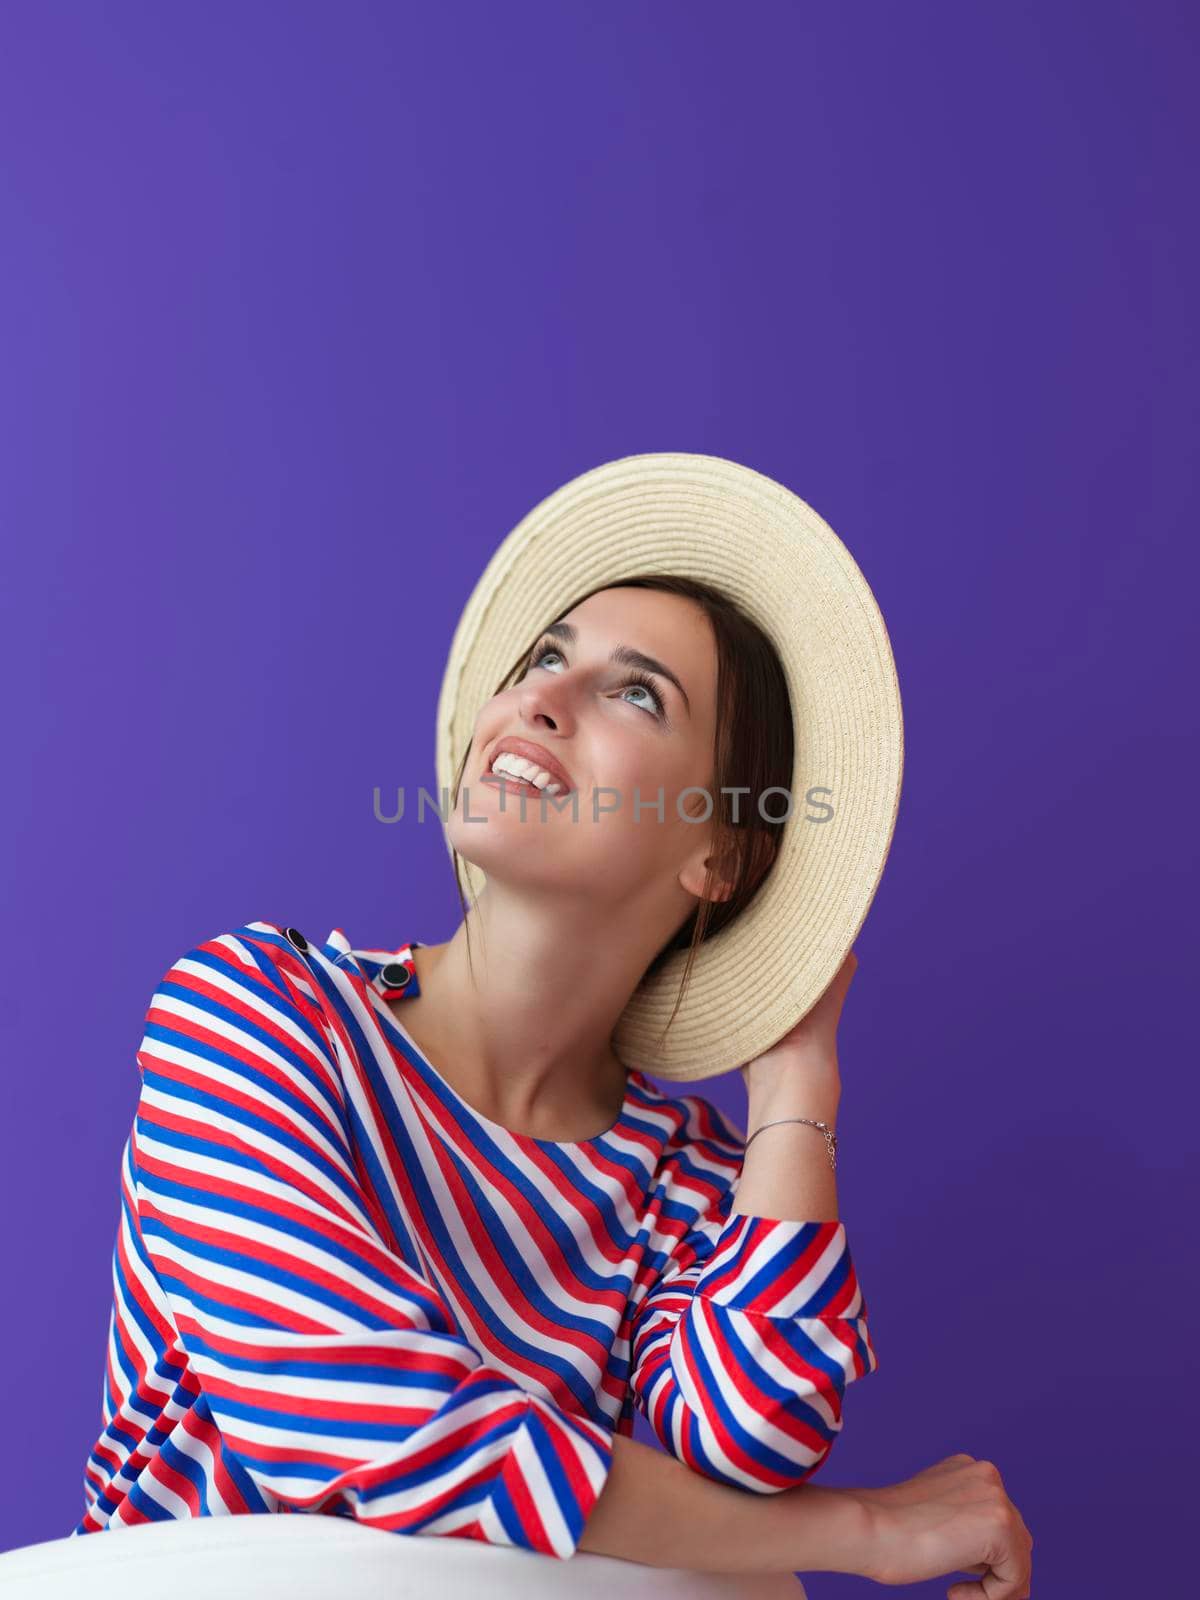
[(743, 1346), (331, 1366)]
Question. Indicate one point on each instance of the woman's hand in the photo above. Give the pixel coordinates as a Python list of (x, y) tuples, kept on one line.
[(953, 1517), (810, 1047)]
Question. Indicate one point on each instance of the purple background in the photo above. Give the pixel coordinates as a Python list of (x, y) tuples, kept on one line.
[(304, 306)]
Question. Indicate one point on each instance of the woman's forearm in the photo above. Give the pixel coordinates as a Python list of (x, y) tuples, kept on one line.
[(655, 1510), (786, 1172)]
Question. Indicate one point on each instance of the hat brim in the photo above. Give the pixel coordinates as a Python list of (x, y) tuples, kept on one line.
[(705, 517)]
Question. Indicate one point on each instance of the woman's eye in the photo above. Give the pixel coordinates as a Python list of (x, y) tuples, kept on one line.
[(655, 707), (640, 688)]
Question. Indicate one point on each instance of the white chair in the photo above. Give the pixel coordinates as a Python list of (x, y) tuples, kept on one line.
[(289, 1557)]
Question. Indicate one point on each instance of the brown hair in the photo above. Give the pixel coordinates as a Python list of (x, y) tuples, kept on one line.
[(754, 744)]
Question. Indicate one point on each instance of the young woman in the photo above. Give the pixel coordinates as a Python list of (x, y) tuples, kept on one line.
[(406, 1238)]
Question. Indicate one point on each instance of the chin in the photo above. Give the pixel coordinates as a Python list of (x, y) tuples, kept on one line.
[(502, 839), (523, 856)]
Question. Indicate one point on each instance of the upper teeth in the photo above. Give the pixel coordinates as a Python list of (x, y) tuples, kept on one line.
[(520, 768)]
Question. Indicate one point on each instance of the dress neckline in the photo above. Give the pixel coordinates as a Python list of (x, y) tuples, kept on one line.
[(464, 1108)]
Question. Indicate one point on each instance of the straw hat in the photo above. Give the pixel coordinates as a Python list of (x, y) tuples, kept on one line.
[(704, 517)]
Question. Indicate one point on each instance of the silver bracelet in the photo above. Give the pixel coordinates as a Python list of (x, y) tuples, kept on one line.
[(830, 1136)]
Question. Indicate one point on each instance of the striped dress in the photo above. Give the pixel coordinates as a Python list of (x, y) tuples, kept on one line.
[(339, 1289)]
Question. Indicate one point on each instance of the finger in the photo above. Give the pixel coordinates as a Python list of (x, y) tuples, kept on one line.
[(1002, 1582), (974, 1590)]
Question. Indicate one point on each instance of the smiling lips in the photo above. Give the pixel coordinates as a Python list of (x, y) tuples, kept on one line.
[(502, 780), (522, 761)]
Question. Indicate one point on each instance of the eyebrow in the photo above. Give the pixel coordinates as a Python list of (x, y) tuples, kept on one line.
[(624, 655)]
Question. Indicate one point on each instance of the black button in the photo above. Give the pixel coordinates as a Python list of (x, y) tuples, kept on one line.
[(297, 938), (395, 975)]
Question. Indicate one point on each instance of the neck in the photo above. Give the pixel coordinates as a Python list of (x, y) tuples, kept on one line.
[(524, 1032)]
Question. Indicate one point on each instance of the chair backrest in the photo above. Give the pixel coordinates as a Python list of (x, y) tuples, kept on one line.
[(309, 1557)]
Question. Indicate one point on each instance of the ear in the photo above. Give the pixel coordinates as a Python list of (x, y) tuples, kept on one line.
[(695, 869)]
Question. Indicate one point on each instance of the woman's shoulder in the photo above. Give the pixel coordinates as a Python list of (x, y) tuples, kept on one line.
[(269, 938), (249, 962), (239, 1029)]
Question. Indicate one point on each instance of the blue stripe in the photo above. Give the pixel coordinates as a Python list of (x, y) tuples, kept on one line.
[(260, 1087), (270, 998), (217, 1151), (782, 1400), (399, 1379), (188, 1468), (237, 1211), (224, 1309), (536, 1353)]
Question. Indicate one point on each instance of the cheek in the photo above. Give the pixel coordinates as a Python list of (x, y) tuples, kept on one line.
[(641, 780)]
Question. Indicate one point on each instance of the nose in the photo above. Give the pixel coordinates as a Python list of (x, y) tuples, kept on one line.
[(545, 703)]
